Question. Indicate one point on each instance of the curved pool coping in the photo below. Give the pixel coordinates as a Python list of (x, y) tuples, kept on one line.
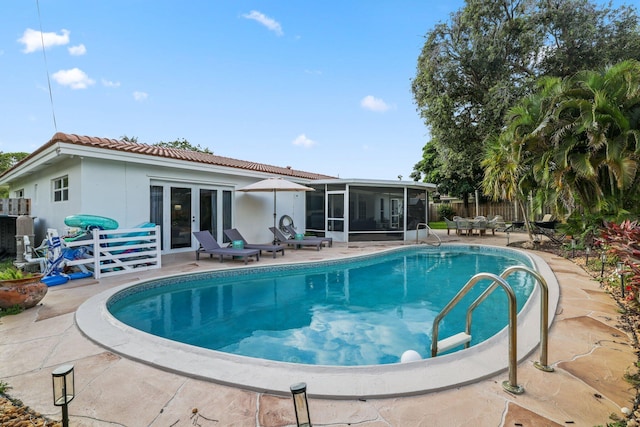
[(336, 382)]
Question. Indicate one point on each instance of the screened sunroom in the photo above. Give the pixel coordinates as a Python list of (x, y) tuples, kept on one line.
[(350, 210)]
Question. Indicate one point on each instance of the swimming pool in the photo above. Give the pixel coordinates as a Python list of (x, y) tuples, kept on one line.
[(344, 313), (394, 379)]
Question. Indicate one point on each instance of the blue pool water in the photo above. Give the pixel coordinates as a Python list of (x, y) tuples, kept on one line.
[(346, 313)]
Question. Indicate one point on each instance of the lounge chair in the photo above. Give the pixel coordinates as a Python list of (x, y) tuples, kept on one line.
[(292, 233), (279, 236), (234, 235), (208, 245)]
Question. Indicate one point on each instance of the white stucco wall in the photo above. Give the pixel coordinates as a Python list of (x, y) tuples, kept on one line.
[(254, 213), (120, 190)]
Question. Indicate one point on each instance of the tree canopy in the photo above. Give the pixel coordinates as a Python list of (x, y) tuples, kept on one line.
[(179, 143), (489, 55)]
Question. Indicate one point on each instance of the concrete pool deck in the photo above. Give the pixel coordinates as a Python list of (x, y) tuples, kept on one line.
[(588, 350)]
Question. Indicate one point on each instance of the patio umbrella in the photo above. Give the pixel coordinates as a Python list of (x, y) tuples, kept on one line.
[(274, 185)]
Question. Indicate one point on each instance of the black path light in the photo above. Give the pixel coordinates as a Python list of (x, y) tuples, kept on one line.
[(603, 259), (300, 404), (63, 390), (587, 252)]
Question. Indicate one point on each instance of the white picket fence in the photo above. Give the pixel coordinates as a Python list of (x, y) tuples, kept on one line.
[(110, 252)]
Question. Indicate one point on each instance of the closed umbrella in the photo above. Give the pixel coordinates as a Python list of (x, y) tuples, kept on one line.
[(274, 185)]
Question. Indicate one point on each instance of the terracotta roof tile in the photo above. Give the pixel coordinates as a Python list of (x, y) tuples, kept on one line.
[(174, 153)]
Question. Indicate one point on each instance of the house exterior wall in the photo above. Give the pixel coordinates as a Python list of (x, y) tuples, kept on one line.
[(121, 190), (38, 187)]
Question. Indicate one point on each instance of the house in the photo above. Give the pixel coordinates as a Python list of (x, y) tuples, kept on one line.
[(185, 191)]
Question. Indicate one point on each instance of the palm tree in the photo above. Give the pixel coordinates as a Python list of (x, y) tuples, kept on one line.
[(576, 141), (595, 136)]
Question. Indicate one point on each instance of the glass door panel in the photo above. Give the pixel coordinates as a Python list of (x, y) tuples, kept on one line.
[(209, 211), (335, 216), (181, 217)]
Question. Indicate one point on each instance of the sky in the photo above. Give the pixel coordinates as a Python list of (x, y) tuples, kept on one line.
[(321, 86)]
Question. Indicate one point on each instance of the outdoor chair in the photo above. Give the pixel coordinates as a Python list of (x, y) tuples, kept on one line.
[(296, 243), (234, 235), (464, 226), (208, 245), (292, 234), (497, 224), (480, 225), (451, 225)]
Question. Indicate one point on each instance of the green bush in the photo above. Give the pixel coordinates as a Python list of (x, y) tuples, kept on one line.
[(445, 210)]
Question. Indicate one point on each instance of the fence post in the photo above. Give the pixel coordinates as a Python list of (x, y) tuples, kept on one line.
[(96, 253)]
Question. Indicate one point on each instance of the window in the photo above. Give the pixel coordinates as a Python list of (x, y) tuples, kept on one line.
[(19, 193), (61, 189)]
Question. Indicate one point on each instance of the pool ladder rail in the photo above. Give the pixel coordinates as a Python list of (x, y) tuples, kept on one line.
[(464, 338), (430, 233)]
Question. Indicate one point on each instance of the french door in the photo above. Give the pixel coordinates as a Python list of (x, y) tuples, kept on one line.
[(182, 209)]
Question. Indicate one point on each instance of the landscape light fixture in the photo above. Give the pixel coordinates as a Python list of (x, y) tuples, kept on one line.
[(507, 238), (573, 248), (603, 259), (620, 270), (63, 390), (587, 252), (300, 404)]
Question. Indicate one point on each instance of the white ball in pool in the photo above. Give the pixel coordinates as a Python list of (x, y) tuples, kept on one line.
[(410, 356)]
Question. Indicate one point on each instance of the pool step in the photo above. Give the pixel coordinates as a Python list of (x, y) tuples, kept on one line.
[(453, 341)]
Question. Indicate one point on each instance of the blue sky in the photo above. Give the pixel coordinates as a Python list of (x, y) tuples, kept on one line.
[(320, 86)]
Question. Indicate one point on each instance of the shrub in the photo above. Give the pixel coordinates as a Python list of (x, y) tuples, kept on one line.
[(445, 210)]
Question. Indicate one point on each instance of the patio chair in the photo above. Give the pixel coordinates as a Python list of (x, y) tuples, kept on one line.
[(208, 245), (451, 225), (480, 225), (234, 235), (279, 236), (497, 224), (464, 226), (292, 234)]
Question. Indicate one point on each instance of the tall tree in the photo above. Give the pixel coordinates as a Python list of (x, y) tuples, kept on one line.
[(473, 68), (9, 160)]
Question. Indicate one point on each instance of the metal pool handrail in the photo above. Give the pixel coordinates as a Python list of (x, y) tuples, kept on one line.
[(512, 384), (544, 311), (429, 232)]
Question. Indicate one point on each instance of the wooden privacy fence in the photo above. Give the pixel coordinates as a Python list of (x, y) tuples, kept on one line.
[(489, 210), (110, 252)]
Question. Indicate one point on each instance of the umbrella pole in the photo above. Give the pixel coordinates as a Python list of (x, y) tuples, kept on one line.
[(274, 215)]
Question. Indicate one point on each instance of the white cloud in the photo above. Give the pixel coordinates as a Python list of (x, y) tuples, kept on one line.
[(303, 141), (33, 39), (77, 50), (140, 96), (270, 23), (372, 103), (75, 78), (109, 83)]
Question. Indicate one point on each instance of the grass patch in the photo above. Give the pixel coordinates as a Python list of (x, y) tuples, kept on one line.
[(438, 225), (4, 387)]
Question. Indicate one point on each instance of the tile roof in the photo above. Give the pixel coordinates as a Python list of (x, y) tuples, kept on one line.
[(175, 153)]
